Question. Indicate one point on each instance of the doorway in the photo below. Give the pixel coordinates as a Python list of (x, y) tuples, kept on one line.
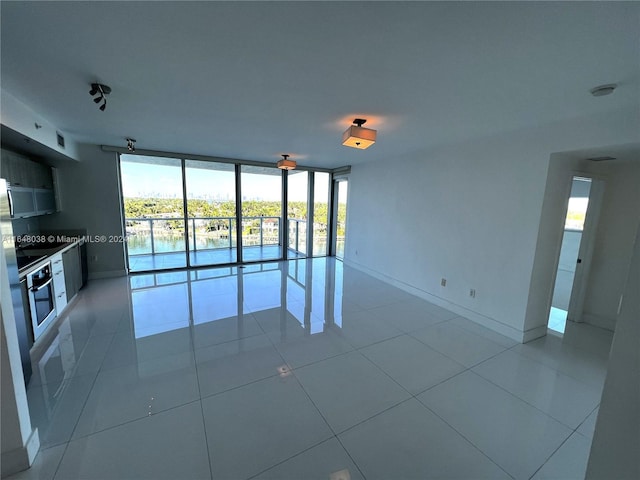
[(575, 252)]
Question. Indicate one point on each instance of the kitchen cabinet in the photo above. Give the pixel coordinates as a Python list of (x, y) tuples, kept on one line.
[(19, 171), (31, 185), (59, 282), (72, 271), (28, 202), (23, 202), (45, 201), (40, 176)]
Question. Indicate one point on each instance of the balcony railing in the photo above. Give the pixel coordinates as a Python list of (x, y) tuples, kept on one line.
[(297, 235), (166, 234)]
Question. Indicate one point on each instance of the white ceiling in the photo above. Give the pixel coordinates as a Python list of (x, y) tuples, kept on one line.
[(252, 80)]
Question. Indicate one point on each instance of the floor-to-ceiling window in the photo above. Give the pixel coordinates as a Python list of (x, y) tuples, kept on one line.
[(297, 188), (320, 213), (193, 213), (261, 213), (154, 212), (341, 187), (211, 212)]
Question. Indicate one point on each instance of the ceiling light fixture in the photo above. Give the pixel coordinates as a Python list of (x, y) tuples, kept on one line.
[(602, 90), (131, 144), (285, 163), (99, 91), (356, 136)]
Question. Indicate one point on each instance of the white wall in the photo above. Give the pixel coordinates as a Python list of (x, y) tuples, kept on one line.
[(19, 117), (616, 440), (90, 199), (614, 241), (471, 213)]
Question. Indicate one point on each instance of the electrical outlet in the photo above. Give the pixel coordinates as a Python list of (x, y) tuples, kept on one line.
[(94, 258), (443, 282), (472, 293)]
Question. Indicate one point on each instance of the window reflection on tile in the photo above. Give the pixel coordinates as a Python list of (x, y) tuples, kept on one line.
[(166, 301), (160, 309)]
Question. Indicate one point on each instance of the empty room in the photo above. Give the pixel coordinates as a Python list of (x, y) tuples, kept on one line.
[(320, 240)]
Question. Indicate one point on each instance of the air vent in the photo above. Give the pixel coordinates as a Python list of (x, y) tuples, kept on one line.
[(60, 139), (601, 159)]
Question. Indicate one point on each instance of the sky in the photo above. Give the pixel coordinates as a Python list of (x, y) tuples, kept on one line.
[(162, 180)]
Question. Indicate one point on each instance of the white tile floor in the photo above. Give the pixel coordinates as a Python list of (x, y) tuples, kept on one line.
[(303, 370)]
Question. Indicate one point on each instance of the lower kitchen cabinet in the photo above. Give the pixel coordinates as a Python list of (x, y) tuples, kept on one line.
[(72, 271), (59, 283)]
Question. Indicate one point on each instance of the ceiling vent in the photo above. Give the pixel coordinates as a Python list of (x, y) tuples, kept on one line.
[(601, 159), (60, 139)]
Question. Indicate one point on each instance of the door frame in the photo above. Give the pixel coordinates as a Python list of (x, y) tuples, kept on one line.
[(585, 251), (587, 243)]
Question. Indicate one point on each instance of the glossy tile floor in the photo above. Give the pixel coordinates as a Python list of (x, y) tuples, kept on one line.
[(304, 369), (218, 256)]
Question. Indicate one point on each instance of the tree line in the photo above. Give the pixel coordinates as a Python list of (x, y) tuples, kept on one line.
[(135, 207)]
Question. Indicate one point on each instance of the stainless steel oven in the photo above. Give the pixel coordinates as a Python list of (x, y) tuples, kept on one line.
[(41, 299)]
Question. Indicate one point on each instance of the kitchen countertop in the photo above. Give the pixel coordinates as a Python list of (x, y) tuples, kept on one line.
[(41, 254)]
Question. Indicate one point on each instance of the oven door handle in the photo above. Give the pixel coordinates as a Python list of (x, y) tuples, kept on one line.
[(41, 286)]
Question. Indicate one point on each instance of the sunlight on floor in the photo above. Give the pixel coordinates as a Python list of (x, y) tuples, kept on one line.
[(557, 319)]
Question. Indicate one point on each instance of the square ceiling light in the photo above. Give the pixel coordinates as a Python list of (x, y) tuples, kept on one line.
[(356, 136)]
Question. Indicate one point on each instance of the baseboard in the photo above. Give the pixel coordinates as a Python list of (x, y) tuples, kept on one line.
[(21, 458), (485, 321), (534, 333), (107, 274), (601, 321)]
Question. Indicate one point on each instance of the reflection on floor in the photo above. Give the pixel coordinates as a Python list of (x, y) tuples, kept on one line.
[(218, 256), (557, 319), (303, 369)]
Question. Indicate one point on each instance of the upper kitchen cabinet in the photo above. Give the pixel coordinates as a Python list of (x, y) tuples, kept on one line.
[(31, 185), (41, 176), (19, 171)]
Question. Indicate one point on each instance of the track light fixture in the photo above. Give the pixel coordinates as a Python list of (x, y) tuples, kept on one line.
[(602, 90), (99, 91), (131, 144)]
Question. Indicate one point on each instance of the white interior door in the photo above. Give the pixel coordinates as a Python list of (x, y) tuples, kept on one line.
[(585, 252)]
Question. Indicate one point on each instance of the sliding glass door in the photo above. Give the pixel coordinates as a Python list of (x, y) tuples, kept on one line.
[(297, 194), (211, 212), (261, 213), (154, 212), (192, 213), (320, 213)]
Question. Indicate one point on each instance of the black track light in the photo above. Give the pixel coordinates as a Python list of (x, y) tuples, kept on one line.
[(101, 91)]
